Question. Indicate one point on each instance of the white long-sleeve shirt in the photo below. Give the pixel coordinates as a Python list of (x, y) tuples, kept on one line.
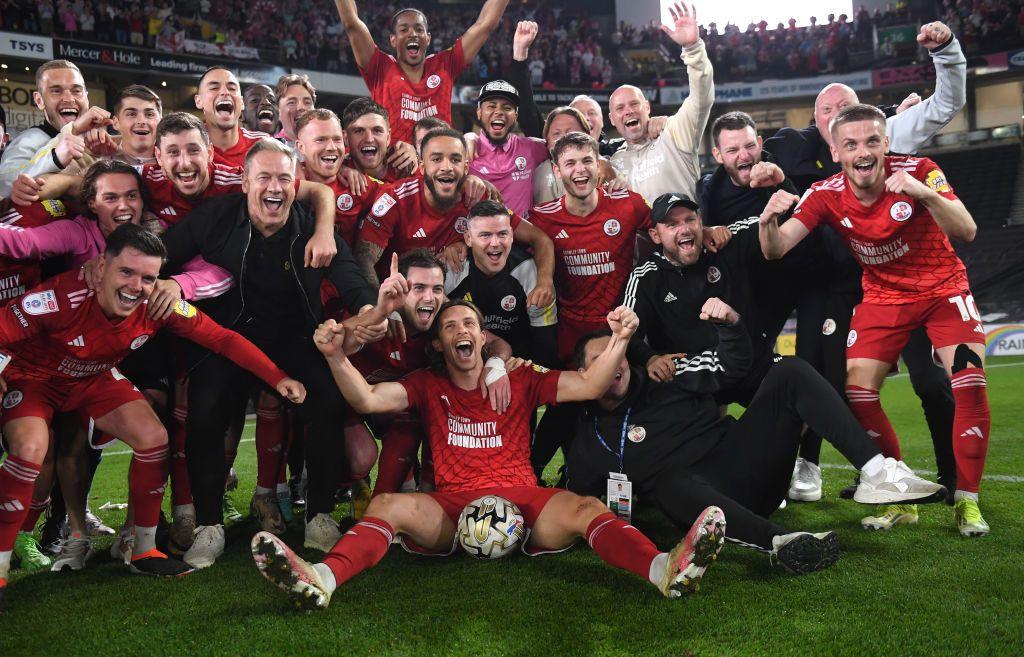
[(910, 129)]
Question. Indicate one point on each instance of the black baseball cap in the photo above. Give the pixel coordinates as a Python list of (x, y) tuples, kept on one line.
[(498, 89), (666, 202)]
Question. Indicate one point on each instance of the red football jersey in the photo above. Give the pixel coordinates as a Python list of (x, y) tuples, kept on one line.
[(235, 156), (401, 219), (474, 447), (593, 254), (17, 276), (406, 101), (58, 332), (350, 207), (390, 359), (905, 255), (170, 206)]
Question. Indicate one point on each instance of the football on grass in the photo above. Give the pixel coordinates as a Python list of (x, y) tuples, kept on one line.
[(490, 527)]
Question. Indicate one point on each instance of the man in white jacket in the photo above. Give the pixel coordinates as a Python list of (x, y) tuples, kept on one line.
[(671, 162), (71, 130)]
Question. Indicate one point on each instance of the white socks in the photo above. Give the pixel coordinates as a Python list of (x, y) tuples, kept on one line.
[(145, 540), (964, 495), (326, 576), (658, 564)]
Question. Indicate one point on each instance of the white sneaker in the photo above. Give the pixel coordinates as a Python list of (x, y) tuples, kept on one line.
[(207, 545), (182, 531), (895, 483), (75, 551), (806, 483), (322, 533), (95, 527), (123, 545)]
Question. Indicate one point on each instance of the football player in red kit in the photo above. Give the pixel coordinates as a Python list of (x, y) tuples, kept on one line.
[(478, 451), (429, 211), (896, 214), (412, 84), (219, 98), (321, 142), (61, 343), (594, 232)]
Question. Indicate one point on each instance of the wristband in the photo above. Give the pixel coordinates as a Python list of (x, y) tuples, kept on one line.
[(495, 369)]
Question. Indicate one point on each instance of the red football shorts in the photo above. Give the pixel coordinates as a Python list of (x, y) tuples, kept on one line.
[(569, 333), (92, 397), (531, 500), (880, 331)]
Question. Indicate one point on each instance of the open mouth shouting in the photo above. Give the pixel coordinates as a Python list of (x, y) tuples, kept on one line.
[(424, 313), (498, 125), (126, 300), (273, 202), (444, 183), (330, 159), (495, 255), (687, 245), (581, 183), (413, 47), (631, 123), (68, 113), (865, 167), (464, 349), (142, 131), (369, 154), (124, 218), (187, 179), (225, 109)]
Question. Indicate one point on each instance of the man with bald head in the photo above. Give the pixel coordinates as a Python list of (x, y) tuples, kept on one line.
[(669, 163), (805, 157)]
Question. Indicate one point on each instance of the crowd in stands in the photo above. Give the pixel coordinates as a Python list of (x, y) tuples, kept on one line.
[(575, 49)]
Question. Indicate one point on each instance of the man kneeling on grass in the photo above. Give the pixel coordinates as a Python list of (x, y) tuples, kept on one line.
[(427, 521)]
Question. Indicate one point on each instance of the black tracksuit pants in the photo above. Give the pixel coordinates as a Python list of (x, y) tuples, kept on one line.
[(217, 387), (747, 473)]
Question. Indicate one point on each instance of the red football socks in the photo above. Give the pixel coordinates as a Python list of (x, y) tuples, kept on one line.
[(621, 545), (146, 476), (971, 424), (867, 409), (397, 452), (360, 548), (17, 479)]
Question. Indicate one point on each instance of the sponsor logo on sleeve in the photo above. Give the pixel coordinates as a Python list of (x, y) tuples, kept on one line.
[(40, 303), (54, 208), (21, 317), (185, 309), (937, 181), (383, 204)]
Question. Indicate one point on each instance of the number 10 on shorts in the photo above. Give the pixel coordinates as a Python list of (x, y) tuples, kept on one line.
[(965, 304)]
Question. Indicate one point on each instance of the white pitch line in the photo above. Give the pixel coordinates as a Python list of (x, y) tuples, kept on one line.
[(987, 367), (125, 452), (1011, 479)]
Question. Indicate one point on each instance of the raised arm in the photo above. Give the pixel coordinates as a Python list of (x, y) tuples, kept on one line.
[(594, 381), (776, 241), (359, 35), (910, 129), (686, 126), (475, 37), (386, 397), (530, 119)]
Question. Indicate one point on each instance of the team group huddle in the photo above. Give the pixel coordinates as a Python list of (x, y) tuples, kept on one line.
[(380, 276)]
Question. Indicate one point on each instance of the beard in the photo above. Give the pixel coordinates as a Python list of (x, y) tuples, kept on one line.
[(445, 202)]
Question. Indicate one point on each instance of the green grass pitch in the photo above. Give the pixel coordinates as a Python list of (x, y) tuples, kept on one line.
[(916, 591)]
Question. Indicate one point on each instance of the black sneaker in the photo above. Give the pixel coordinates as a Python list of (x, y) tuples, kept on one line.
[(802, 552), (847, 493), (298, 491), (53, 533), (159, 565)]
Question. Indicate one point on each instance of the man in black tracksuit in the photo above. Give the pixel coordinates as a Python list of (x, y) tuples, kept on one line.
[(499, 277), (260, 237), (672, 284), (805, 157), (669, 439)]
